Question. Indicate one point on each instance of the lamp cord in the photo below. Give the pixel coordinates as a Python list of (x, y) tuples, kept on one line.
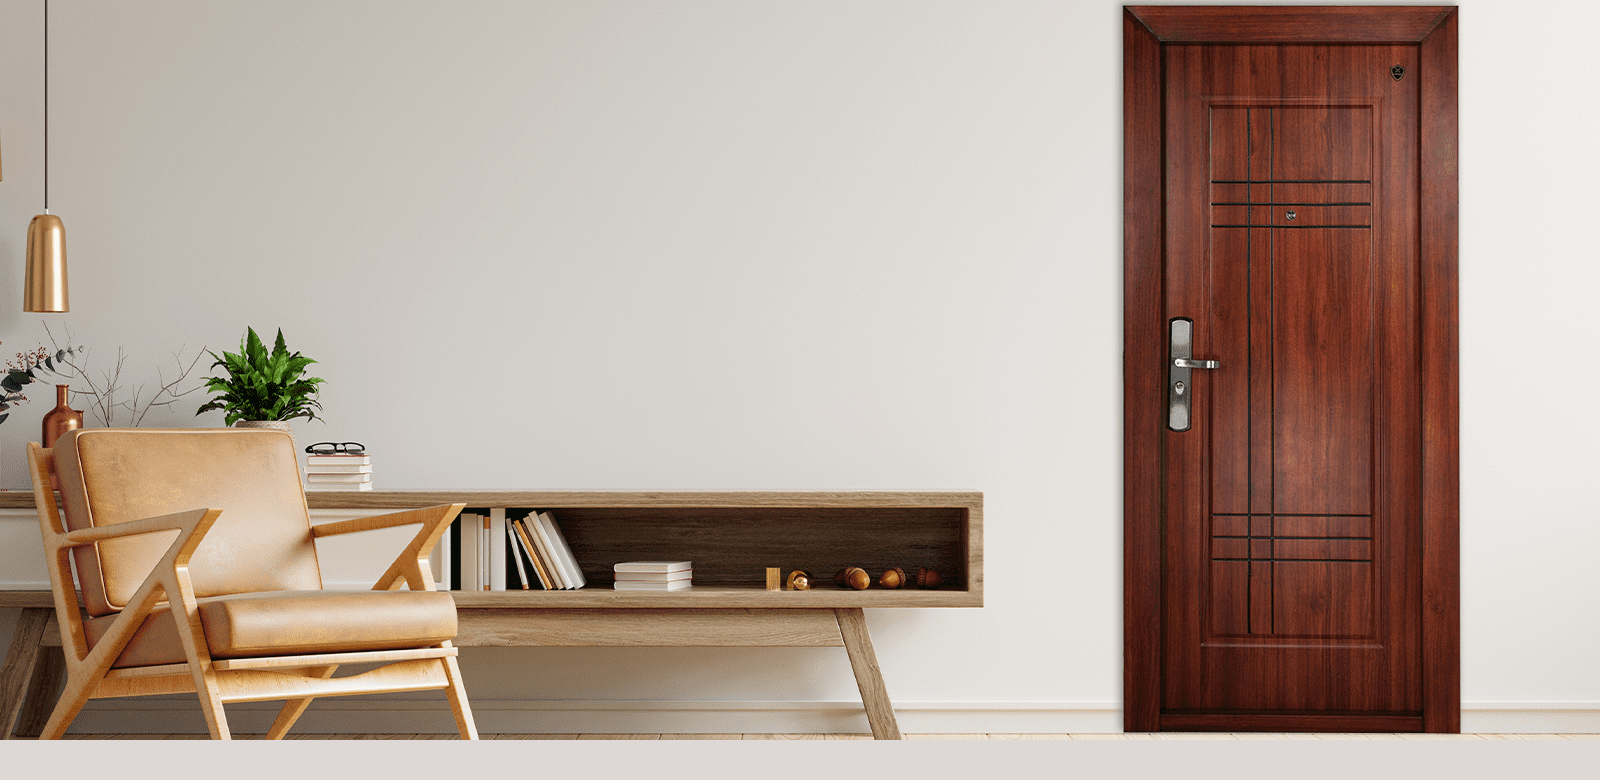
[(47, 106)]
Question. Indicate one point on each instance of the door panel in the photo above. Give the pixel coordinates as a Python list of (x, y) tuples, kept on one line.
[(1291, 555), (1288, 584)]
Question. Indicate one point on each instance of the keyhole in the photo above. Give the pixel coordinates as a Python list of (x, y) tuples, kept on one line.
[(1289, 215)]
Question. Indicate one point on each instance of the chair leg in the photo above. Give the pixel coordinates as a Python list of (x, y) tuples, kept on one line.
[(458, 700), (294, 708), (205, 684), (73, 697)]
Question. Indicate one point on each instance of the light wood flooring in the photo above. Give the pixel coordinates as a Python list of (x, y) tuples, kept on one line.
[(1166, 736)]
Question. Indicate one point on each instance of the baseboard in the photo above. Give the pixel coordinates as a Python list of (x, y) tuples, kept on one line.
[(357, 716), (1530, 717)]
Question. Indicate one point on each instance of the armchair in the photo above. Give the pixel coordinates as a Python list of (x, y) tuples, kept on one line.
[(198, 571)]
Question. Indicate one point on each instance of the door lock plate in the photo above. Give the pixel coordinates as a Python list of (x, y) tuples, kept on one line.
[(1180, 361)]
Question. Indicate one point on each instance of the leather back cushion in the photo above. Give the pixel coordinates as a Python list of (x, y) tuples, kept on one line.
[(261, 542)]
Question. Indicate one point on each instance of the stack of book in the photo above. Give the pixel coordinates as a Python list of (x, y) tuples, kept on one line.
[(653, 575), (339, 472)]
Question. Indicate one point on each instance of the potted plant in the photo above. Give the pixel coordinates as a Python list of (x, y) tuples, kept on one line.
[(263, 389)]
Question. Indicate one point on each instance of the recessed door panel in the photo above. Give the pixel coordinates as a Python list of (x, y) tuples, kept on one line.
[(1285, 579)]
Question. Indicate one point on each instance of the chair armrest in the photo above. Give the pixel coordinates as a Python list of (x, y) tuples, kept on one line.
[(407, 567), (168, 579), (408, 517), (177, 521)]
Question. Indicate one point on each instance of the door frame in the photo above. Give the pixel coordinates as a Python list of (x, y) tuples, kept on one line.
[(1145, 31)]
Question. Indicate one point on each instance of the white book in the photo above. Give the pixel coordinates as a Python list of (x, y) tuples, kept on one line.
[(338, 486), (653, 566), (470, 523), (440, 562), (541, 537), (340, 460), (497, 548), (574, 572), (654, 576), (636, 585), (515, 545), (339, 468), (343, 479), (483, 552)]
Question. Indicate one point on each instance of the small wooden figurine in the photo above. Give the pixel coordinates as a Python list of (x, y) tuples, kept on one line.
[(799, 580), (853, 577), (893, 577), (774, 578), (928, 578)]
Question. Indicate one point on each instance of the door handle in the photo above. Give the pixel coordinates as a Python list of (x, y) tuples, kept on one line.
[(1179, 390)]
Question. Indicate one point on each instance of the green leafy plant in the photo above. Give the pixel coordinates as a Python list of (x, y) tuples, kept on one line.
[(263, 385), (24, 370)]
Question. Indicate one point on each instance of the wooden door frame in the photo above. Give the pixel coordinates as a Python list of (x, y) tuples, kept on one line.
[(1145, 30)]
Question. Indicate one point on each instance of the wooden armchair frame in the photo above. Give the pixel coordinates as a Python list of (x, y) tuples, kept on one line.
[(299, 678)]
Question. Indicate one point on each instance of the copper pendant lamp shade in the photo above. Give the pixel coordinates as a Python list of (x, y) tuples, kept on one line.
[(45, 288)]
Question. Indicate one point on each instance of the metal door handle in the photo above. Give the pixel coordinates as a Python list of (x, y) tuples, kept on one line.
[(1178, 389)]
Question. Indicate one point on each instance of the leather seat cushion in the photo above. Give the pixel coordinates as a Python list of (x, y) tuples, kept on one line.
[(246, 625)]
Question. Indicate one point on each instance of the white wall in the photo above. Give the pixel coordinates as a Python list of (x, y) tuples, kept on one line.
[(791, 245)]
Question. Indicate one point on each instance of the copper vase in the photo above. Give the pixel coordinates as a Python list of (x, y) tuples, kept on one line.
[(60, 419)]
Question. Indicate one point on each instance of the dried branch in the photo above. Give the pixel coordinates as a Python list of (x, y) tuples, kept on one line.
[(102, 394)]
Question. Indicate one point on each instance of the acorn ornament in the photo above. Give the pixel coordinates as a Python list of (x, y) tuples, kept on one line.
[(853, 577), (893, 577), (928, 579), (799, 580)]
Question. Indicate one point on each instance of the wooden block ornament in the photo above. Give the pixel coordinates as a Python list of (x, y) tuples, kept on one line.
[(774, 578)]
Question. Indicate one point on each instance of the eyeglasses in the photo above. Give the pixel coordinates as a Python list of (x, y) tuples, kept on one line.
[(337, 448)]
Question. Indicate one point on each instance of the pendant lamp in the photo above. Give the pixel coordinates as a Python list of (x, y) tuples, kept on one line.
[(45, 288)]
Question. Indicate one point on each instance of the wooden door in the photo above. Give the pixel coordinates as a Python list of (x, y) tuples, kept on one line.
[(1297, 495)]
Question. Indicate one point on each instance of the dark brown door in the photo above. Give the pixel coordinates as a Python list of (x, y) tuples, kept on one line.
[(1292, 533)]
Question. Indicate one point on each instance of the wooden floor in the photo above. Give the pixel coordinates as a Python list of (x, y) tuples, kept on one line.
[(1165, 735)]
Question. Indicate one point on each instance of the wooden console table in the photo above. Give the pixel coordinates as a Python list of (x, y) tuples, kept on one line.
[(732, 537)]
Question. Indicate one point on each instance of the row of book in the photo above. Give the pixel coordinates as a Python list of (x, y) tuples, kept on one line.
[(493, 551), (339, 472)]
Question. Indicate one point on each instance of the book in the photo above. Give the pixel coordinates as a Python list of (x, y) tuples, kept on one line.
[(338, 460), (653, 566), (440, 560), (339, 468), (563, 552), (533, 553), (520, 553), (654, 576), (541, 540), (495, 541), (469, 525), (338, 486), (340, 478), (511, 551), (637, 585)]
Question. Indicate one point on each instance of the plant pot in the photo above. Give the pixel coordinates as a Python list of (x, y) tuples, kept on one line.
[(276, 425)]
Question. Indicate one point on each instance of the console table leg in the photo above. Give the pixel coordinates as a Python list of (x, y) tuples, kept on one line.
[(869, 678), (48, 675), (20, 661)]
